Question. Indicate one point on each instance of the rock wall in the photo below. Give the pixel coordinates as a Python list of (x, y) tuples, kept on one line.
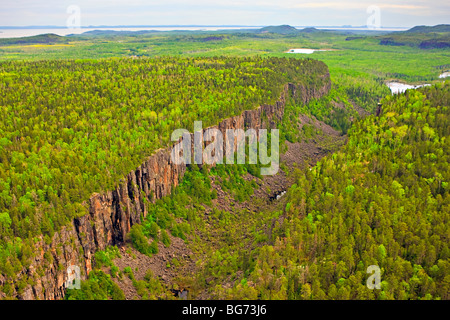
[(112, 214)]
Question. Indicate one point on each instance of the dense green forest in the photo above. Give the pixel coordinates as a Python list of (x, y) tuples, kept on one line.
[(422, 37), (71, 128), (383, 200), (356, 54)]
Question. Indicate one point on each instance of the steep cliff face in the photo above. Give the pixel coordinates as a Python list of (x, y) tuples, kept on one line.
[(112, 214)]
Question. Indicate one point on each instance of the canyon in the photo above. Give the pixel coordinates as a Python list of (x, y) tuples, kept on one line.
[(112, 213)]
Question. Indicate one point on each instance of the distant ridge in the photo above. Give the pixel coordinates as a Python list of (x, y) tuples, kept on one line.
[(428, 29), (48, 38), (422, 37), (310, 30), (283, 29), (112, 33), (286, 29)]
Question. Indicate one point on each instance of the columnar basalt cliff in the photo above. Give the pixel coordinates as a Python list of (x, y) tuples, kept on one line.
[(112, 214)]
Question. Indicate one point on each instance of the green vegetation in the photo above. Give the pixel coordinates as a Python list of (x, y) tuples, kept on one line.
[(384, 200), (140, 241), (361, 206), (427, 29), (74, 127), (354, 55), (231, 179), (420, 38), (99, 286), (39, 39), (150, 288), (71, 128), (283, 29), (105, 258), (210, 230), (187, 202)]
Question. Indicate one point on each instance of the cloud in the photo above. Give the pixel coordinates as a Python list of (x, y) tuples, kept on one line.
[(250, 12), (346, 5)]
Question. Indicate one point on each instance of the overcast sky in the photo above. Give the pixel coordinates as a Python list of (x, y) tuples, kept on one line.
[(393, 13)]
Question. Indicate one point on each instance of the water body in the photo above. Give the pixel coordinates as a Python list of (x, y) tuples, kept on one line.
[(444, 75), (18, 33), (398, 87), (305, 51)]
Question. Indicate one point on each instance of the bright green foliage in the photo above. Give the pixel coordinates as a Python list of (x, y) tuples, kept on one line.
[(99, 286), (104, 258), (71, 128), (139, 240), (390, 207), (231, 179), (151, 288), (362, 56), (165, 239)]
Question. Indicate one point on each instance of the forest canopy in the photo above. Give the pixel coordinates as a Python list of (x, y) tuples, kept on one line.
[(383, 200), (73, 127)]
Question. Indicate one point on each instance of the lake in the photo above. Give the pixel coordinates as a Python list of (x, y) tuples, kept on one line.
[(305, 51), (398, 87)]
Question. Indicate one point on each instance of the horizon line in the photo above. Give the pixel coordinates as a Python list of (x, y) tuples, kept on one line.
[(186, 25)]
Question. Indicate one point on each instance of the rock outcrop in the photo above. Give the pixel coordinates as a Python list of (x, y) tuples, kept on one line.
[(112, 214)]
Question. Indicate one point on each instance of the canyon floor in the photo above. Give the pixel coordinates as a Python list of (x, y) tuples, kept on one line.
[(296, 157)]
